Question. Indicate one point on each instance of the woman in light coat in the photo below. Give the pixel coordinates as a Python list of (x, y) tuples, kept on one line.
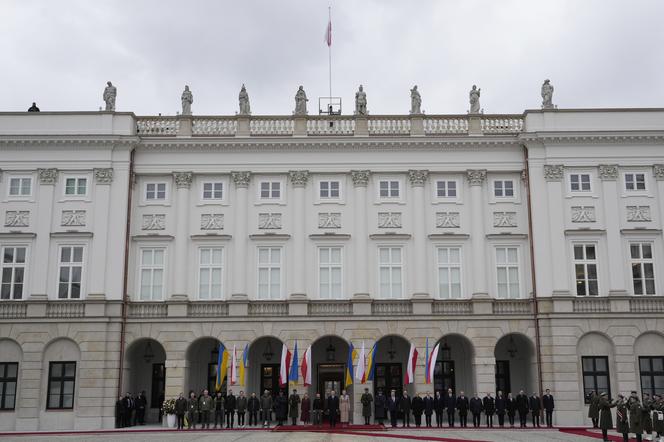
[(344, 407)]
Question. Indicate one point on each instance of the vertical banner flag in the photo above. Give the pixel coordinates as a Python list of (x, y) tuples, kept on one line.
[(431, 364), (306, 367), (285, 365), (410, 362), (427, 379), (222, 366), (361, 369), (371, 365), (292, 373), (328, 33), (349, 366), (244, 361), (233, 368)]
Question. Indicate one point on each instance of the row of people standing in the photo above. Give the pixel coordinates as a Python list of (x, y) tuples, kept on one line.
[(632, 415), (130, 410)]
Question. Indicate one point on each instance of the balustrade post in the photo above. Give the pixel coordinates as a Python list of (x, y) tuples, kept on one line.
[(474, 125), (243, 126), (184, 129), (417, 125), (300, 129), (361, 126)]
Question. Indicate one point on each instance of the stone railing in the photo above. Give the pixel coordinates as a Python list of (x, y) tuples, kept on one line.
[(452, 307), (214, 126), (148, 310), (590, 305), (502, 124), (271, 126), (205, 309), (389, 125), (330, 308), (268, 308), (330, 125), (445, 125), (646, 305), (11, 310), (392, 307), (512, 307), (157, 126), (65, 309)]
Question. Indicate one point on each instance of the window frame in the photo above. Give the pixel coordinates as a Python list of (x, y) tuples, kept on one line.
[(635, 191), (62, 380), (508, 265), (330, 266), (446, 181), (155, 200), (580, 191), (140, 267), (70, 264), (20, 196), (585, 262), (390, 179), (329, 181), (13, 266), (449, 266), (270, 267), (4, 380), (651, 374), (211, 266), (76, 179), (391, 266), (503, 188), (212, 198), (271, 182), (595, 374), (642, 262)]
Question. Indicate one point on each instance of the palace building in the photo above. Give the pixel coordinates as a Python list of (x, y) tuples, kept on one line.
[(528, 246)]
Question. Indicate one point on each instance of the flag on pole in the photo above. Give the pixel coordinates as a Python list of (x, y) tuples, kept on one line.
[(233, 368), (431, 364), (285, 365), (328, 33), (361, 369), (222, 366), (371, 365), (292, 373), (244, 363), (349, 366), (427, 380), (411, 361), (306, 367)]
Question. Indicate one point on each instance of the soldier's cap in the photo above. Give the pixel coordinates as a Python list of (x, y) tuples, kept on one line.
[(604, 393)]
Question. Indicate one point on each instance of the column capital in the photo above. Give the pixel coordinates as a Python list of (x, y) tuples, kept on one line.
[(47, 176), (104, 176), (241, 179), (417, 178), (658, 171), (183, 179), (360, 177), (476, 177), (298, 178), (608, 172), (554, 172)]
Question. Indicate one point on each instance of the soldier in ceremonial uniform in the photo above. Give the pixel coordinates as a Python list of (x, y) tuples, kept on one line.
[(593, 409), (205, 405), (293, 406), (636, 416), (605, 419), (622, 424), (192, 409)]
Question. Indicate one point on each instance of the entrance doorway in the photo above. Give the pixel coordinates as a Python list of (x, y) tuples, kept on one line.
[(330, 377), (270, 380), (388, 377), (158, 385), (444, 377)]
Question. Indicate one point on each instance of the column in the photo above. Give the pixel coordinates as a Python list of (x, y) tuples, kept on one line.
[(361, 237), (658, 173), (298, 179), (103, 179), (417, 179), (43, 219), (608, 174), (182, 185), (241, 181), (553, 174), (476, 179)]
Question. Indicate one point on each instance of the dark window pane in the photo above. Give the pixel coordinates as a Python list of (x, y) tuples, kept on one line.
[(593, 288), (592, 271), (70, 369), (6, 275), (578, 252), (587, 364), (590, 252), (12, 370), (650, 286), (658, 364), (600, 364), (635, 251), (648, 270), (56, 370)]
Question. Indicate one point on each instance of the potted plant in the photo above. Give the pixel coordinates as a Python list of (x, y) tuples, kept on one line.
[(168, 410)]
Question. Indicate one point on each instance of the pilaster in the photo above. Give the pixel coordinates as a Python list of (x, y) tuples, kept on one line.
[(299, 179), (103, 181), (476, 179), (554, 175), (608, 175), (239, 280), (47, 180), (182, 184), (361, 284), (417, 179)]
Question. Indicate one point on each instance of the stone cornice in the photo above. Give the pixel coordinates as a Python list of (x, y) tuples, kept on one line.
[(100, 141), (641, 137)]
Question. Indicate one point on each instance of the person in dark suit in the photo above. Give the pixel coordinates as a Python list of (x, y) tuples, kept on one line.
[(511, 408), (476, 409), (522, 407), (380, 407), (120, 413), (404, 407), (393, 407), (439, 406), (417, 405), (428, 408), (229, 408), (547, 399), (535, 406), (450, 406), (489, 405), (332, 407), (141, 404), (501, 407), (462, 405), (281, 408)]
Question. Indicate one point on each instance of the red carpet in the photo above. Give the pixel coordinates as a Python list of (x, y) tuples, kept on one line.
[(325, 428), (587, 433)]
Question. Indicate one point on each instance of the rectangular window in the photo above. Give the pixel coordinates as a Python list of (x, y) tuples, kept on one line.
[(579, 182), (71, 272), (76, 186), (8, 379), (20, 186), (507, 272), (643, 273), (390, 268), (389, 188), (635, 181), (446, 189), (329, 272), (61, 381), (503, 188), (269, 272), (651, 369), (585, 269), (329, 189), (210, 273), (155, 191), (213, 191), (595, 375), (449, 272), (13, 272), (270, 190), (151, 274)]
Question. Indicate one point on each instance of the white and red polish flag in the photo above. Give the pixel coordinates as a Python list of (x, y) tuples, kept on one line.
[(306, 367), (328, 33), (285, 366), (412, 360)]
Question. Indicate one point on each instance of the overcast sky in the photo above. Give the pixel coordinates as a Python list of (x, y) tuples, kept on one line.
[(597, 53)]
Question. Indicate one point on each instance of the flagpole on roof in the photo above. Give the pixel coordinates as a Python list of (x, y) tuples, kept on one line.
[(329, 45)]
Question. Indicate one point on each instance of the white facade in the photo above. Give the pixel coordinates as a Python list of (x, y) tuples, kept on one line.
[(262, 230)]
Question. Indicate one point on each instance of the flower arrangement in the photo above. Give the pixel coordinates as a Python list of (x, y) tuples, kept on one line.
[(168, 407)]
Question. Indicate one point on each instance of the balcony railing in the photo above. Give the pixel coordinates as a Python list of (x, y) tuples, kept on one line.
[(512, 307), (65, 309), (590, 305), (330, 308), (452, 307), (204, 309), (392, 308), (11, 309), (148, 310), (268, 308)]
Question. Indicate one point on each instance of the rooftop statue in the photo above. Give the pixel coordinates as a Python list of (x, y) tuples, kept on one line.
[(110, 92), (187, 100), (300, 102), (245, 109), (360, 102), (415, 101), (474, 100), (547, 95)]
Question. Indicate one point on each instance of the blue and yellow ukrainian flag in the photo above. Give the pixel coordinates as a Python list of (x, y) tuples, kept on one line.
[(371, 364), (222, 366), (349, 365)]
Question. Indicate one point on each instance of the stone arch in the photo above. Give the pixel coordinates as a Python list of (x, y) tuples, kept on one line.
[(144, 369), (264, 363), (11, 352), (390, 371), (329, 355), (596, 344), (201, 358), (454, 364), (58, 350), (516, 364), (648, 354)]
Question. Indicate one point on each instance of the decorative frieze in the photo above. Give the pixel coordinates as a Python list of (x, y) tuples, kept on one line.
[(554, 172), (418, 177), (636, 214), (212, 221), (658, 171), (268, 221), (241, 179), (17, 218), (47, 176), (608, 172), (104, 176), (329, 220), (476, 177), (154, 222), (298, 178), (389, 220), (73, 218), (183, 179), (583, 214), (447, 220), (504, 219), (360, 177)]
